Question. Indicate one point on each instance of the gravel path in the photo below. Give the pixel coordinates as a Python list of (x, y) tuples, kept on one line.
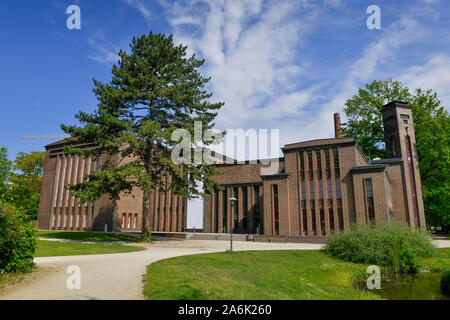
[(116, 276), (119, 276)]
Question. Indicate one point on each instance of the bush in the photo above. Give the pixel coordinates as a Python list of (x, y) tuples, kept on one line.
[(445, 282), (394, 246), (17, 241)]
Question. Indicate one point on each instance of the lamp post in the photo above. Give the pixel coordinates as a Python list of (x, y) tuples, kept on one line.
[(232, 201)]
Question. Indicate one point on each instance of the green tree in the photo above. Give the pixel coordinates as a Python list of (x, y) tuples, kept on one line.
[(30, 167), (155, 90), (5, 171), (432, 127), (17, 234)]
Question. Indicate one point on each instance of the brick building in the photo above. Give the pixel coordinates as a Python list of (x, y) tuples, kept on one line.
[(323, 185), (320, 186)]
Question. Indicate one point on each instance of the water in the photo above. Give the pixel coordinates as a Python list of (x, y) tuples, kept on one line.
[(422, 286)]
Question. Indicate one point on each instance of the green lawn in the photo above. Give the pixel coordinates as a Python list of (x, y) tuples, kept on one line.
[(46, 248), (88, 236), (256, 275), (262, 275)]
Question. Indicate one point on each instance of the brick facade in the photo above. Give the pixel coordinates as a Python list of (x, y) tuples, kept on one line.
[(327, 184), (320, 186)]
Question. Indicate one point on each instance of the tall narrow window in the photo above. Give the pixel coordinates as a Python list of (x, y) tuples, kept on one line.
[(235, 209), (244, 209), (319, 160), (329, 189), (322, 221), (327, 159), (320, 184), (311, 190), (124, 218), (369, 199), (302, 161), (331, 218), (135, 221), (224, 211), (305, 222), (341, 219), (216, 210), (338, 189), (313, 221), (257, 211), (275, 209), (336, 162), (303, 187)]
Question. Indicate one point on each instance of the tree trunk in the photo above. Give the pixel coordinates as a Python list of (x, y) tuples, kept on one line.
[(146, 210)]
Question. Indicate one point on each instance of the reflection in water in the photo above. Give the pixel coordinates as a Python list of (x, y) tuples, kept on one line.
[(424, 286)]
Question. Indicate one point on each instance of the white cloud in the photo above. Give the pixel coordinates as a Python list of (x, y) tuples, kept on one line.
[(107, 52), (434, 74), (370, 64), (250, 48), (137, 4)]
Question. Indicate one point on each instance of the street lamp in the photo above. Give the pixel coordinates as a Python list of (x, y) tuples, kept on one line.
[(232, 201)]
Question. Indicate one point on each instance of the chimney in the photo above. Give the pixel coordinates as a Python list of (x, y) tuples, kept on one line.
[(337, 126)]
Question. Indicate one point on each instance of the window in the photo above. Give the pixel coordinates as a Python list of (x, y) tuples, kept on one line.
[(235, 213), (368, 191), (341, 219), (216, 210), (329, 189), (124, 218), (305, 222), (245, 209), (319, 160), (310, 160), (129, 221), (302, 161), (224, 210), (313, 221), (303, 191), (257, 212), (275, 209), (336, 162), (331, 218), (327, 159), (311, 190), (322, 221), (338, 189), (135, 221), (320, 188)]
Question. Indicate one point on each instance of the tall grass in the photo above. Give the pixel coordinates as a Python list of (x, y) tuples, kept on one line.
[(397, 247)]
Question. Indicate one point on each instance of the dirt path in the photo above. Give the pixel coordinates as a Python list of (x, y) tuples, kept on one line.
[(117, 276)]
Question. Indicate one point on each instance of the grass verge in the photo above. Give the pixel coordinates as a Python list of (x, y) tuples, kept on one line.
[(255, 275), (260, 275), (88, 236), (46, 248)]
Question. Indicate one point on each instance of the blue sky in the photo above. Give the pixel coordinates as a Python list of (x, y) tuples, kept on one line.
[(276, 64)]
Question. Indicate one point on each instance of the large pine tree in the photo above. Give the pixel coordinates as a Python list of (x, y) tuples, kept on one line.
[(155, 90)]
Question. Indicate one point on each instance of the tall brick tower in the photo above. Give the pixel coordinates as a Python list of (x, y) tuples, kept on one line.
[(401, 143)]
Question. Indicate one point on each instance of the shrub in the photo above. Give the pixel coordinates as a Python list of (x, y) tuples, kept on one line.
[(445, 282), (395, 246), (17, 241)]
